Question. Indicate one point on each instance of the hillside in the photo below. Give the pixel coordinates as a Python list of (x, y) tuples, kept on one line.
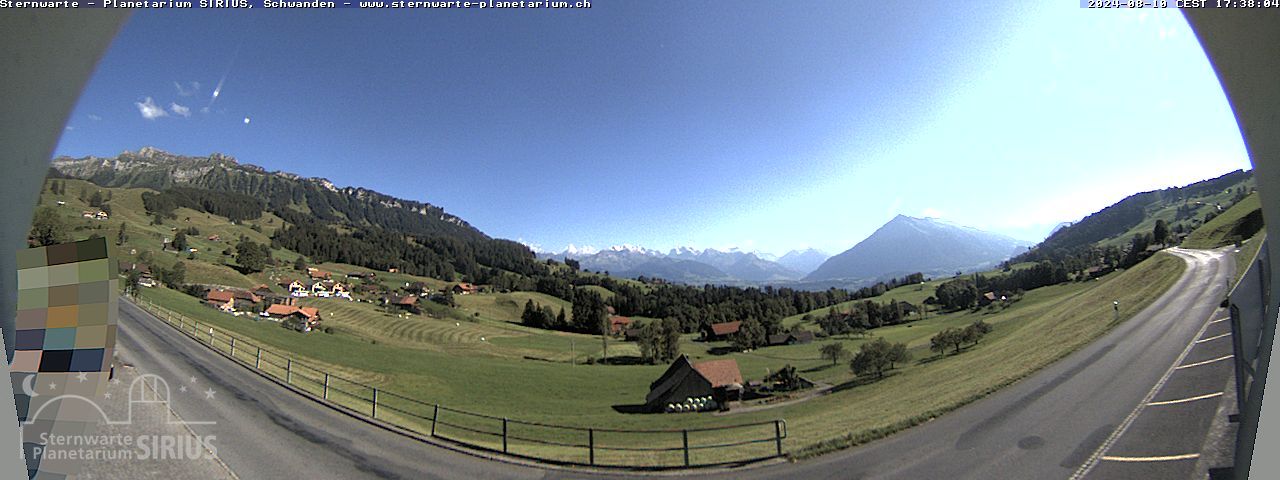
[(1238, 223), (906, 245), (1182, 208)]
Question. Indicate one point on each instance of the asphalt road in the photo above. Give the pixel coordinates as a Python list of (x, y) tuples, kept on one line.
[(1080, 412)]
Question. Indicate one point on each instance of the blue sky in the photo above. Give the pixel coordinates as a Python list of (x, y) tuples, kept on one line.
[(754, 124)]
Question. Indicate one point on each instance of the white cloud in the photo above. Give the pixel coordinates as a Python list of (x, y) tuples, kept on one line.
[(179, 110), (191, 89), (204, 109), (70, 128), (932, 213), (150, 110), (94, 117)]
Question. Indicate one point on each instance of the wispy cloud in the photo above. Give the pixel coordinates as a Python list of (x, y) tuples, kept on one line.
[(204, 109), (70, 128), (191, 88), (932, 213), (94, 117), (179, 109), (150, 110)]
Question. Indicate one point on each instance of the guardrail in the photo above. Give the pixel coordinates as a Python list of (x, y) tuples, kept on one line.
[(545, 442)]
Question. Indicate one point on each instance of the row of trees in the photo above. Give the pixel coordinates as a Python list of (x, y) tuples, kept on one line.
[(865, 315)]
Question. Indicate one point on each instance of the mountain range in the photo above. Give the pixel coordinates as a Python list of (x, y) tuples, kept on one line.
[(684, 264), (908, 245)]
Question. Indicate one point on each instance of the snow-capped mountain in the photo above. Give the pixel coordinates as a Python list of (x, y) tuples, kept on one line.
[(803, 261), (680, 264)]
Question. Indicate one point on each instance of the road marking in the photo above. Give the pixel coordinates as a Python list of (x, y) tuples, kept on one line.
[(1137, 410), (1185, 400), (1213, 338), (1221, 320), (1206, 362), (1166, 458)]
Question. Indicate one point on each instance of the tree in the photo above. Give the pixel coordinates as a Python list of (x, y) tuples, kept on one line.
[(132, 279), (299, 264), (47, 228), (179, 241), (95, 200), (1161, 232), (123, 235), (898, 354), (750, 335), (939, 342), (660, 341), (834, 351), (176, 276), (561, 321), (252, 256), (872, 357), (590, 314)]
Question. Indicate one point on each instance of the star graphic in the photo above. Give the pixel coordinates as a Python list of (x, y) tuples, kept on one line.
[(193, 379), (182, 389), (108, 395), (53, 386), (115, 381), (81, 377), (208, 394)]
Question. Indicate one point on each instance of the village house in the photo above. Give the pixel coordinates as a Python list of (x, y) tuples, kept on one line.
[(303, 319), (719, 379), (320, 289), (316, 274), (465, 289), (221, 299), (245, 300), (297, 289), (407, 303), (262, 290), (720, 331), (618, 325)]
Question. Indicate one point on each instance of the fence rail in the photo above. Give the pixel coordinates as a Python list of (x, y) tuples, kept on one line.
[(560, 444)]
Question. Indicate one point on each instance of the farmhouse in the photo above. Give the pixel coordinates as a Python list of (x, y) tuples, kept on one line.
[(465, 289), (720, 331), (245, 300), (297, 289), (304, 319), (262, 290), (221, 299), (407, 302), (316, 274), (719, 379), (617, 325)]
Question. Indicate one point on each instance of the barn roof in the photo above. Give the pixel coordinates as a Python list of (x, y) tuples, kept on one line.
[(726, 328), (720, 372), (220, 296)]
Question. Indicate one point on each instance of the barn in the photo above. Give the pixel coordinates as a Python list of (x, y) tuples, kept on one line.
[(719, 379)]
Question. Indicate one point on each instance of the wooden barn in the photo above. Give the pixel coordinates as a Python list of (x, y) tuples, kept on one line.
[(718, 379)]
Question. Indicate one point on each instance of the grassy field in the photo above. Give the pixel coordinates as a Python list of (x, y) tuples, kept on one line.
[(445, 360), (1226, 229), (1169, 213)]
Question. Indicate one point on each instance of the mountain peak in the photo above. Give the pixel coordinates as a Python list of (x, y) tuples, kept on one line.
[(907, 245)]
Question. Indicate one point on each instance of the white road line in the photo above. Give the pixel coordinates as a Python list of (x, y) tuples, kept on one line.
[(1221, 320), (1137, 410), (1166, 458), (1185, 400), (1206, 362), (1225, 335)]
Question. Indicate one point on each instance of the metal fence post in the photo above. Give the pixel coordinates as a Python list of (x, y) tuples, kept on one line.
[(591, 445), (288, 371), (257, 362), (504, 435), (777, 435), (211, 344), (326, 385), (374, 412), (685, 432), (435, 415)]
